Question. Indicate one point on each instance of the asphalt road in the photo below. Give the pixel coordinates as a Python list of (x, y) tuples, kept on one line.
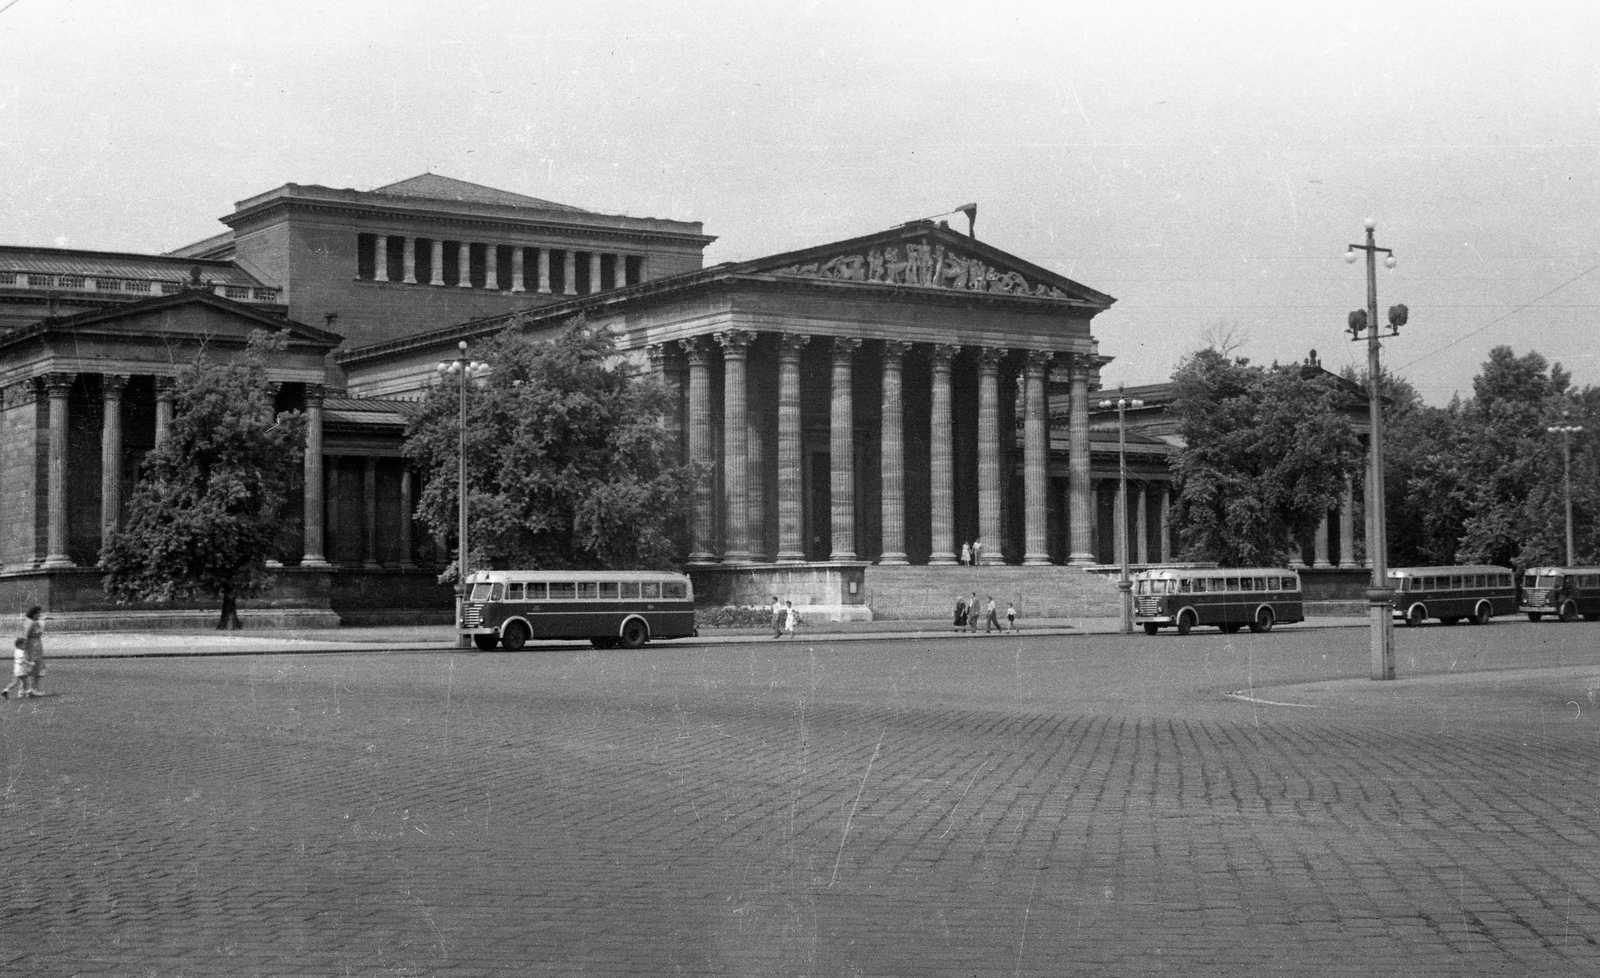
[(1016, 805)]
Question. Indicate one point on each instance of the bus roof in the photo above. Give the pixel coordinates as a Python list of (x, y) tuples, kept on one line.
[(1556, 571), (1448, 569), (502, 576), (1164, 573)]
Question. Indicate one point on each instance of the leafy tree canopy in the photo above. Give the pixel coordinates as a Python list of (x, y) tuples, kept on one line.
[(1266, 454), (205, 511), (569, 464)]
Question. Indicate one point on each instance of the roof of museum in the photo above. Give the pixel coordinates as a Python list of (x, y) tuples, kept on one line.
[(432, 186), (115, 264)]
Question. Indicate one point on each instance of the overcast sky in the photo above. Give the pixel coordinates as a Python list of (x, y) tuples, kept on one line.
[(1205, 163)]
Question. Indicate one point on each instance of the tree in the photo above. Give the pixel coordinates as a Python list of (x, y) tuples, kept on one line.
[(1266, 454), (569, 463), (205, 512)]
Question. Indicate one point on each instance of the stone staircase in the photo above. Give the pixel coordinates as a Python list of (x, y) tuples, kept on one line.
[(921, 593)]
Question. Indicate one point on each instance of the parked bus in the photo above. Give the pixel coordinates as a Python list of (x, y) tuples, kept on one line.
[(1476, 592), (1227, 597), (609, 608), (1565, 592)]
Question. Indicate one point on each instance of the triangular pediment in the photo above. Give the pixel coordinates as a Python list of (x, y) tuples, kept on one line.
[(192, 316), (923, 255)]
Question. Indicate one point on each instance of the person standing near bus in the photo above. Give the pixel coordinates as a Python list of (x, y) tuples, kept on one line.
[(777, 617)]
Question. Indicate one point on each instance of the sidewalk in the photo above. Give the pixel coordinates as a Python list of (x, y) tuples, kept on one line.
[(441, 638)]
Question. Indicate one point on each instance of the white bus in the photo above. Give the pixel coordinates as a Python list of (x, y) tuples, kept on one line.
[(609, 608)]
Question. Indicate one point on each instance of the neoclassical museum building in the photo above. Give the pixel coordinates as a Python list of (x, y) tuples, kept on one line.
[(866, 409)]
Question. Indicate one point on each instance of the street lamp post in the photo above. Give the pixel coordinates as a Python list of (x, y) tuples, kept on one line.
[(1566, 431), (1379, 597), (1125, 584), (464, 370)]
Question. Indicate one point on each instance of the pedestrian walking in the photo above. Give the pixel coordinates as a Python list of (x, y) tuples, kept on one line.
[(966, 553), (791, 618), (972, 613), (777, 617), (33, 641), (21, 670), (1011, 615), (991, 622), (961, 612)]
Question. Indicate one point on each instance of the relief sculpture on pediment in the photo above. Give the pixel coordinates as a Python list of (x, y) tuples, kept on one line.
[(930, 266)]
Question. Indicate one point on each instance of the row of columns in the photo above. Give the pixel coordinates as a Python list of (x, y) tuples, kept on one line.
[(739, 504), (1347, 535), (518, 259), (58, 389)]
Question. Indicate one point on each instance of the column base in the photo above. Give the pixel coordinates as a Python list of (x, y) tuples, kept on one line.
[(893, 560), (737, 557), (791, 557), (57, 562), (1081, 560), (842, 556), (1349, 565), (1036, 560), (1322, 565), (943, 559), (702, 559), (316, 561)]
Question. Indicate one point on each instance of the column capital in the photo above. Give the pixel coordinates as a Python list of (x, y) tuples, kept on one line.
[(943, 353), (735, 342), (658, 354), (790, 345), (112, 385), (989, 358), (843, 348), (697, 351), (895, 349), (1038, 361), (315, 394), (165, 387), (58, 384)]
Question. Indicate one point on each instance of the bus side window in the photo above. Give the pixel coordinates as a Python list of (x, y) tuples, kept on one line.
[(674, 591), (588, 590), (496, 592), (608, 590), (1248, 584), (630, 590), (564, 591), (1185, 586), (1232, 584), (1455, 582), (1480, 582), (514, 591), (650, 590), (536, 591)]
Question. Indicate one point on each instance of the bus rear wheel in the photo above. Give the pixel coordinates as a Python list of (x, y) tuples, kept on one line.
[(485, 643), (1264, 620), (1414, 617), (1482, 613), (514, 636), (1186, 621), (634, 634), (1569, 611)]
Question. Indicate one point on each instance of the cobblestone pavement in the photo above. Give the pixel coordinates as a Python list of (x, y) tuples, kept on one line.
[(1092, 805)]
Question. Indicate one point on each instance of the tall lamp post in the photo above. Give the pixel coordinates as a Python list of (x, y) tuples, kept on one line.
[(1566, 431), (1125, 585), (1379, 597), (463, 370)]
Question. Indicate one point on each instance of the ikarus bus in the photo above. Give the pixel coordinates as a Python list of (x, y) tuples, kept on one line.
[(1563, 593), (608, 608), (1230, 598)]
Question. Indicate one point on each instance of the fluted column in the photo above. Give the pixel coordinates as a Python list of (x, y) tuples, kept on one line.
[(1080, 496), (989, 455), (791, 549), (892, 457), (756, 413), (700, 450), (735, 446), (491, 267), (1319, 544), (941, 461), (380, 264), (408, 258), (1141, 529), (544, 270), (464, 266), (841, 452), (111, 388), (406, 505), (59, 387), (1347, 529), (594, 271), (164, 395), (313, 507), (1036, 459), (1166, 524), (436, 265), (517, 260)]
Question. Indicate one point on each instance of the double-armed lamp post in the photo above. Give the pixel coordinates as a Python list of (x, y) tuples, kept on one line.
[(463, 370), (1566, 430), (1379, 596), (1125, 585)]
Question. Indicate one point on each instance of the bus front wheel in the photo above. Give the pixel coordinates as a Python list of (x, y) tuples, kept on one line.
[(1263, 622), (514, 637), (1186, 621), (1414, 617), (1150, 628), (1534, 616), (485, 643), (1569, 611), (634, 634)]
